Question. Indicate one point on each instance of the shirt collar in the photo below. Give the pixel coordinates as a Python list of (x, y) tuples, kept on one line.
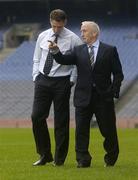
[(95, 44), (52, 34)]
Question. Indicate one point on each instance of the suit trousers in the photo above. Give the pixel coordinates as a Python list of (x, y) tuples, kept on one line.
[(50, 90), (103, 108)]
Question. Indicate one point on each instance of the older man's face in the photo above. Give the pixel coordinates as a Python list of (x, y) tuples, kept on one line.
[(87, 33)]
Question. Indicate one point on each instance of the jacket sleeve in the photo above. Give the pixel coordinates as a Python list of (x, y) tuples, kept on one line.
[(73, 76), (66, 59), (117, 73)]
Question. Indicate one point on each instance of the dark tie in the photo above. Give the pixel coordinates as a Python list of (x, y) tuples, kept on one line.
[(49, 59), (91, 54)]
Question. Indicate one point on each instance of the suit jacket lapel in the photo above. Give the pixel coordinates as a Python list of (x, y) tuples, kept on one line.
[(85, 53), (85, 49), (100, 52)]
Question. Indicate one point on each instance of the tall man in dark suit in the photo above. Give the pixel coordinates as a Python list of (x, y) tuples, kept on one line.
[(98, 83)]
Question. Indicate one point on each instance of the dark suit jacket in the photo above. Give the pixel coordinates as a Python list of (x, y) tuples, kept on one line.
[(106, 75)]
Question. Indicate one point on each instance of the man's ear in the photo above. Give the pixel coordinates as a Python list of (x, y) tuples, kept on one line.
[(94, 34)]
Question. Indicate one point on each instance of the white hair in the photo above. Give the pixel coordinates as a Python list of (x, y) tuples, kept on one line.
[(94, 26)]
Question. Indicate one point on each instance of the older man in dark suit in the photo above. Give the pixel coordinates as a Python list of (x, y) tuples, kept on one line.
[(98, 83)]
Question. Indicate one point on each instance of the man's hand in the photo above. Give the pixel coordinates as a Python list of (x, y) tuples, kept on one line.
[(116, 95), (116, 90), (71, 83), (53, 47)]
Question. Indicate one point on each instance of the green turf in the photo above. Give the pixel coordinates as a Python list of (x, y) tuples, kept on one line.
[(17, 153)]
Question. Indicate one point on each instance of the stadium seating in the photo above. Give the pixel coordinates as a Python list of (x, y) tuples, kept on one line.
[(18, 66), (1, 39), (16, 70)]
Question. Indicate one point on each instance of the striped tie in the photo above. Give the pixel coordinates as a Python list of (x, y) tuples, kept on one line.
[(49, 59), (91, 54)]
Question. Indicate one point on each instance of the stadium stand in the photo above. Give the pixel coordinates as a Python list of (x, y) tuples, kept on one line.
[(16, 86), (16, 80), (16, 83), (1, 40), (18, 66), (2, 31)]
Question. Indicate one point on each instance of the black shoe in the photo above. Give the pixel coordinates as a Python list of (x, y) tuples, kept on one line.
[(83, 165), (58, 163), (42, 161), (108, 165)]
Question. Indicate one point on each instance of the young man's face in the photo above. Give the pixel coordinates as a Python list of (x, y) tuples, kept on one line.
[(57, 26)]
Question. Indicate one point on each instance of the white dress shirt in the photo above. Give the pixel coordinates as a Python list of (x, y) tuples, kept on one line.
[(67, 40)]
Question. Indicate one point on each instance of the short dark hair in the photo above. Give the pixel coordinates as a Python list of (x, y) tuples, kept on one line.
[(58, 15)]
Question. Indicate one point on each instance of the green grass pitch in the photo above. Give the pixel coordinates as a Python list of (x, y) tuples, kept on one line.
[(17, 153)]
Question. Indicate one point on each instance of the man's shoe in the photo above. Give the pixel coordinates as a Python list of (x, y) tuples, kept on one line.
[(58, 163), (42, 161), (83, 165), (108, 165)]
